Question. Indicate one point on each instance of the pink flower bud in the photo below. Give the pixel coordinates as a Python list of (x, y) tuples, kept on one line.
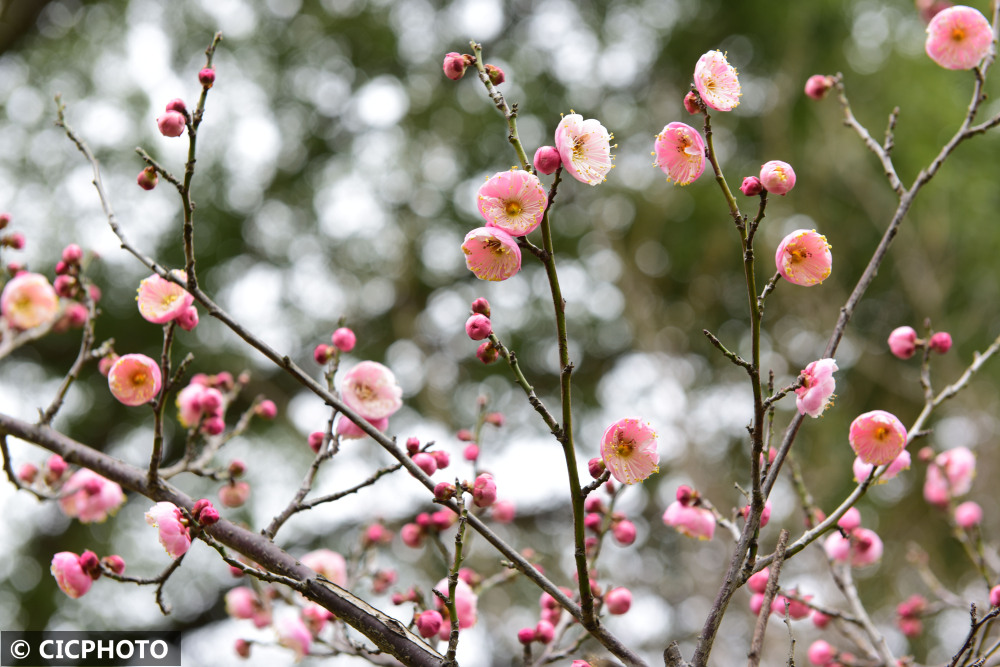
[(64, 286), (235, 494), (214, 425), (207, 77), (595, 467), (751, 186), (817, 86), (444, 490), (968, 515), (593, 504), (995, 596), (545, 632), (940, 342), (72, 254), (903, 342), (266, 409), (443, 519), (412, 446), (242, 648), (344, 339), (177, 104), (412, 535), (692, 103), (777, 177), (481, 306), (171, 124), (496, 74), (15, 241), (208, 516), (758, 581), (487, 352), (69, 575), (547, 160), (454, 66), (56, 466), (442, 459), (316, 440), (624, 532), (850, 520), (114, 563), (188, 319), (821, 653), (756, 602), (820, 620), (323, 353), (471, 452), (592, 522), (484, 490), (618, 600), (429, 623), (425, 462), (4, 220), (478, 327), (90, 564), (76, 314), (526, 635), (503, 511), (27, 473)]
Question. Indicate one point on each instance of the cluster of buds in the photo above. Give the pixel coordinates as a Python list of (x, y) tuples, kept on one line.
[(597, 517), (791, 603), (949, 475), (414, 533), (455, 65), (688, 517), (343, 340), (13, 240), (903, 342), (908, 615), (174, 119), (853, 544), (429, 462), (75, 574), (376, 534)]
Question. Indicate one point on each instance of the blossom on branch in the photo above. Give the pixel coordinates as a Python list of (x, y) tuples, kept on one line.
[(863, 471), (877, 437), (28, 301), (134, 379), (174, 534), (815, 394), (513, 201), (717, 81), (70, 575), (958, 37), (585, 148), (491, 253), (371, 390), (161, 300), (680, 153), (89, 497), (628, 449), (804, 258)]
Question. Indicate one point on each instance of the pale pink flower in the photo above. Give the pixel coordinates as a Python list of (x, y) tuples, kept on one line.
[(484, 490), (618, 600), (968, 514), (903, 342), (328, 563), (958, 37), (89, 497), (628, 449), (196, 401), (293, 634), (491, 253), (503, 511), (689, 520), (680, 153), (585, 148), (863, 471), (174, 535), (161, 300), (242, 602), (777, 177), (877, 437), (717, 81), (69, 574), (465, 602), (513, 201), (134, 379), (349, 430), (371, 390), (949, 475), (234, 494), (821, 653), (803, 257), (862, 547), (813, 397), (28, 301)]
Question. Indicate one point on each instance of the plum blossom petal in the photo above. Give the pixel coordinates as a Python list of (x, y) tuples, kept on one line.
[(69, 574), (680, 153), (174, 535), (803, 257), (689, 520), (371, 390), (863, 471), (89, 497)]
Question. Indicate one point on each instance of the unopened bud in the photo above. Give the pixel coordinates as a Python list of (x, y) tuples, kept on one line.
[(817, 86), (692, 103), (481, 306), (487, 352), (454, 66), (940, 342), (207, 77), (547, 160), (751, 186), (496, 74), (171, 124)]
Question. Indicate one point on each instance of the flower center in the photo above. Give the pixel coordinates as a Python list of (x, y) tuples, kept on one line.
[(881, 433), (798, 255), (623, 447), (957, 34), (512, 208), (364, 392), (495, 246), (139, 379)]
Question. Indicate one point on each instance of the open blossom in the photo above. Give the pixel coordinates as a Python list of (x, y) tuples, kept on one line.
[(134, 379), (328, 563), (680, 153), (174, 535), (863, 471), (689, 520), (351, 431), (585, 148), (877, 437), (628, 449), (293, 634), (89, 497), (818, 384), (491, 253), (949, 475), (161, 300), (958, 37), (28, 301), (717, 82), (804, 258), (777, 177), (69, 574), (514, 201), (371, 390), (465, 602)]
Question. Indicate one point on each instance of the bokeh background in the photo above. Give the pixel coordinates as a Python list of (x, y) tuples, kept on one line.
[(337, 168)]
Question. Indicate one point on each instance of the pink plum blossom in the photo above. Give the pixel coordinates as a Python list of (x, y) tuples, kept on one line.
[(968, 514), (478, 327), (293, 634), (174, 535), (624, 532), (689, 520), (628, 449), (429, 623), (777, 177), (351, 431), (850, 520), (903, 342), (863, 471), (28, 301), (234, 494), (817, 86), (491, 253), (242, 602), (134, 379), (797, 607), (89, 497), (949, 475), (940, 342), (585, 148), (860, 548), (371, 390), (197, 401), (189, 319), (206, 77), (70, 575), (503, 511), (547, 160), (513, 201), (454, 65), (995, 596), (344, 339), (484, 490), (758, 581), (680, 153), (958, 37), (751, 186), (717, 81), (161, 300), (465, 602), (821, 653), (877, 437), (171, 124), (813, 397), (618, 600), (803, 257), (328, 563)]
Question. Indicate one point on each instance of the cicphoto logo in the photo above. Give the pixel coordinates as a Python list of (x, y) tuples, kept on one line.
[(96, 649)]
